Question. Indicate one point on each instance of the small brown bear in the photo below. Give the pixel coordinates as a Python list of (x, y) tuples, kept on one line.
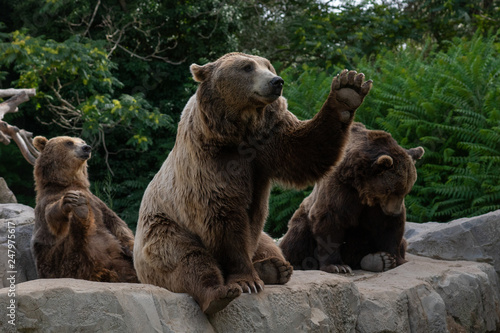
[(355, 216), (201, 217), (76, 235)]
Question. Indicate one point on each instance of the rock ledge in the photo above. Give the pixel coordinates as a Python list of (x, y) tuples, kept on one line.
[(423, 295)]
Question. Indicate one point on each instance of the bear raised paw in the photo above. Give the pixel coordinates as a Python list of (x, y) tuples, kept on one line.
[(75, 235), (349, 89), (201, 217), (355, 216)]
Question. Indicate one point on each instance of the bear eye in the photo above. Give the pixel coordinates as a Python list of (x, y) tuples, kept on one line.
[(248, 68), (69, 143)]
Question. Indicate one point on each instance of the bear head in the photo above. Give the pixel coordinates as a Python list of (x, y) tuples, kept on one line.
[(240, 81), (62, 161), (380, 170)]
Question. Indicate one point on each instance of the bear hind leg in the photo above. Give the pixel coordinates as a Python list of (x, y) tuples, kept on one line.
[(269, 262), (378, 262), (175, 259)]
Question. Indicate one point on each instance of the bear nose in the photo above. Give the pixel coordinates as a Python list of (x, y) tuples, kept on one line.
[(277, 82), (86, 148)]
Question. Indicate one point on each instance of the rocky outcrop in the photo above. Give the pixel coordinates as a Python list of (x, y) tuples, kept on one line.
[(423, 295), (6, 195), (16, 226), (475, 239)]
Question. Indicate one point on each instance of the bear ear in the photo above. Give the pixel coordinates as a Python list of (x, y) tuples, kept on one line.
[(39, 142), (384, 162), (201, 73), (416, 153)]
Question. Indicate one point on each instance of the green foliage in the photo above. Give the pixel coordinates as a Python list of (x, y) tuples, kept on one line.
[(448, 102), (75, 82), (282, 204), (116, 73), (443, 19), (326, 34)]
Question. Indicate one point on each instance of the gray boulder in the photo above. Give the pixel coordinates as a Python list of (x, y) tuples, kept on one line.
[(16, 226), (474, 239), (423, 295), (6, 195)]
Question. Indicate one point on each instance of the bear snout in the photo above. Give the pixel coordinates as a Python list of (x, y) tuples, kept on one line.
[(393, 206), (277, 85), (85, 152), (87, 149)]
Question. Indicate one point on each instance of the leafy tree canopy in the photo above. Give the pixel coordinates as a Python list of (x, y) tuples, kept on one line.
[(116, 73)]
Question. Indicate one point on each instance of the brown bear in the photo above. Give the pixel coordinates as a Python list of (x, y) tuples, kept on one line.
[(355, 216), (201, 217), (76, 235)]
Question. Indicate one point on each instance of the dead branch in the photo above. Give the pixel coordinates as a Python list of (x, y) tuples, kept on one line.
[(10, 105), (11, 92), (22, 138)]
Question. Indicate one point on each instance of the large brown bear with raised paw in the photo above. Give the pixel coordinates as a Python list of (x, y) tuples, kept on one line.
[(201, 218), (76, 235), (355, 216)]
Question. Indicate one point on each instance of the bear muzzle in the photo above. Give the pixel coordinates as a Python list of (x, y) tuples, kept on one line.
[(85, 152), (277, 85), (393, 206), (269, 91)]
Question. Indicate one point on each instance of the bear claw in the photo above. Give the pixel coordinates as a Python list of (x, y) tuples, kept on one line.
[(343, 269), (349, 88)]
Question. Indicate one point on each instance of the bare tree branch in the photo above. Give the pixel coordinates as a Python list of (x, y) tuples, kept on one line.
[(22, 138), (11, 92), (118, 36), (92, 18), (10, 105)]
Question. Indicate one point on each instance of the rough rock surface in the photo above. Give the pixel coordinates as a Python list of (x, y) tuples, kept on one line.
[(17, 222), (6, 195), (423, 295), (475, 239)]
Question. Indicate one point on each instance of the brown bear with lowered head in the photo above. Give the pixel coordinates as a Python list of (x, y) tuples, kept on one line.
[(75, 235), (355, 216), (201, 217)]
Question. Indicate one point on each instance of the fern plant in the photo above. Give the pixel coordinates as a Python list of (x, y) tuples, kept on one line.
[(449, 102)]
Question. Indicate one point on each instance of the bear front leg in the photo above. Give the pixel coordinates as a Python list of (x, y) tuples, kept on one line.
[(328, 252), (239, 270), (58, 214), (308, 149), (232, 249), (329, 235)]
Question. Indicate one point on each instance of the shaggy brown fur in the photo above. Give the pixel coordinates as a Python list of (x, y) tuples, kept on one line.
[(76, 235), (355, 217), (201, 217)]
